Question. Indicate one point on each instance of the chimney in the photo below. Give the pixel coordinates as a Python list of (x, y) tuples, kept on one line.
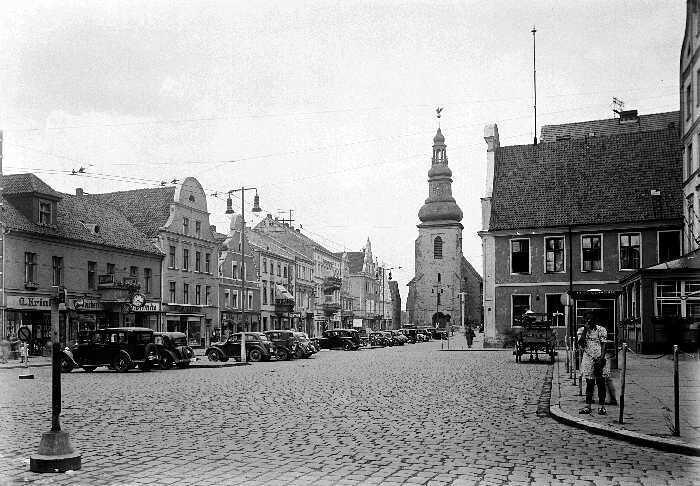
[(79, 191)]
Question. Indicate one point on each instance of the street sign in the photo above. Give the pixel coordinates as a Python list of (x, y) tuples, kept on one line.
[(24, 334)]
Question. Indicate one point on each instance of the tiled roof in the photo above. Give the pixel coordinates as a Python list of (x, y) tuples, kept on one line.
[(291, 238), (264, 242), (610, 126), (602, 180), (147, 209), (25, 183), (75, 215)]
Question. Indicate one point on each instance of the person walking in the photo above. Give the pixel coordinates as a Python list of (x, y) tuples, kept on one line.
[(594, 366), (469, 334)]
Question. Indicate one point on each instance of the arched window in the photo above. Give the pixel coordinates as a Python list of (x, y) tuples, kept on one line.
[(439, 278), (437, 248)]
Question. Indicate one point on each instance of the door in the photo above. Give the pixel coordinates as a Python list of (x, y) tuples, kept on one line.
[(603, 309)]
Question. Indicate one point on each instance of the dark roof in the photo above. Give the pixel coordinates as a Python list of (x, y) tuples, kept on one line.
[(26, 184), (356, 260), (265, 242), (601, 180), (690, 262), (610, 126), (147, 209), (75, 216), (290, 237)]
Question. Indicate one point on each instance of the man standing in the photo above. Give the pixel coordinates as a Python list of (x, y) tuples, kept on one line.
[(594, 366)]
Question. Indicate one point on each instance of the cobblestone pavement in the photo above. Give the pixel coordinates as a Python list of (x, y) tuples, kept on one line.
[(405, 415)]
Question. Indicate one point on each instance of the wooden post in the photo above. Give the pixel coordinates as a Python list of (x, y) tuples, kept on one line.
[(623, 373), (676, 393)]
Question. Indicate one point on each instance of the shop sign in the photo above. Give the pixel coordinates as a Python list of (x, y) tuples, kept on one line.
[(84, 304), (148, 307), (33, 302), (184, 309)]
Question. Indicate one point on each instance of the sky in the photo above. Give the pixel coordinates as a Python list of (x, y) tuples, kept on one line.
[(326, 107)]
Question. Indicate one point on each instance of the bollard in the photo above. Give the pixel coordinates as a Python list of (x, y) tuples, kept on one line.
[(676, 392), (623, 373)]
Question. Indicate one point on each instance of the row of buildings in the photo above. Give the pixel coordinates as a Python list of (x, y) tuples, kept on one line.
[(150, 257), (600, 215)]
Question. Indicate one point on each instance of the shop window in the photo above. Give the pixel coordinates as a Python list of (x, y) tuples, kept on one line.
[(554, 254), (520, 256), (172, 289), (147, 280), (92, 275), (185, 259), (45, 212), (185, 293), (437, 248), (57, 264), (30, 268), (207, 262), (669, 245), (172, 262), (519, 304), (198, 261), (591, 253), (630, 256)]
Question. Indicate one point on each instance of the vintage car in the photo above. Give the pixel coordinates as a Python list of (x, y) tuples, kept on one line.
[(440, 333), (119, 348), (257, 348), (285, 341), (411, 335), (378, 338), (398, 337), (304, 347), (173, 350), (347, 339)]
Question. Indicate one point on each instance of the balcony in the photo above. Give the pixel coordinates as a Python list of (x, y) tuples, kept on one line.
[(331, 284), (330, 305)]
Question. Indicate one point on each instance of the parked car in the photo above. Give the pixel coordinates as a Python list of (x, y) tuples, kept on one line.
[(347, 339), (440, 333), (427, 333), (257, 348), (120, 348), (286, 343), (173, 350), (411, 335), (304, 347), (364, 335), (398, 337), (378, 338), (314, 342)]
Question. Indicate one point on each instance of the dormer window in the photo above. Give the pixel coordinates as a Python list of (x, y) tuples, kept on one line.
[(44, 212)]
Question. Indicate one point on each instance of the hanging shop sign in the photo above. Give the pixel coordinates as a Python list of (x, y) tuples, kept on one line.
[(85, 304)]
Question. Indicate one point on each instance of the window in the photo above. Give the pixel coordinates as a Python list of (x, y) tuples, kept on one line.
[(172, 262), (689, 158), (520, 256), (438, 298), (554, 306), (198, 229), (198, 261), (171, 297), (234, 270), (185, 259), (690, 219), (630, 256), (279, 270), (57, 264), (186, 225), (110, 269), (92, 275), (437, 248), (30, 267), (147, 280), (439, 277), (133, 271), (234, 299), (264, 265), (44, 212), (519, 304), (669, 244), (185, 293), (207, 262), (697, 78), (264, 292), (554, 254), (688, 101), (284, 272), (591, 254), (207, 295), (227, 298), (198, 295), (250, 299)]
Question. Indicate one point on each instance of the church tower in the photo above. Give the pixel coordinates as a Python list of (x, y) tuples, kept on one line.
[(434, 291)]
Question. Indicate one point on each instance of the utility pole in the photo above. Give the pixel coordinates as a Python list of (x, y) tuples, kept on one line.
[(534, 77)]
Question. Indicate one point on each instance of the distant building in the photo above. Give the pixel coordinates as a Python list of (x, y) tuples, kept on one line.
[(176, 219), (363, 285), (52, 240), (396, 321), (564, 221)]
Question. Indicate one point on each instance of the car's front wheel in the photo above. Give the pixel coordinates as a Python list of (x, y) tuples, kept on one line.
[(166, 361), (213, 355), (121, 363), (282, 354), (66, 365), (254, 355)]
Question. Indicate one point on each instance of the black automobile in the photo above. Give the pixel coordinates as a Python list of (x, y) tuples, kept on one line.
[(411, 335), (440, 333), (120, 348), (304, 347), (173, 350), (347, 339), (257, 348), (286, 343), (377, 338)]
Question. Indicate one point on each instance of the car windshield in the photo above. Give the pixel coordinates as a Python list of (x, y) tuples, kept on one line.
[(180, 341), (143, 338), (262, 337)]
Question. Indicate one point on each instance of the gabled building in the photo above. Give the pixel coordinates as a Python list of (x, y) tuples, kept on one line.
[(564, 221), (52, 240), (363, 286), (176, 220)]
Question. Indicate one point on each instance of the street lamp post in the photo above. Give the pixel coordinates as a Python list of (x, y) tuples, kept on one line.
[(229, 210)]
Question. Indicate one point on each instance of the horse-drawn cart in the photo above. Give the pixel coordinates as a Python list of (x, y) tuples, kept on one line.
[(536, 337)]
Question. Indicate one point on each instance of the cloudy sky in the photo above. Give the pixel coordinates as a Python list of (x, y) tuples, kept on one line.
[(327, 107)]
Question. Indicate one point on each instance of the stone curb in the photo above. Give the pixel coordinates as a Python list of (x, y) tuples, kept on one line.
[(17, 367), (660, 443)]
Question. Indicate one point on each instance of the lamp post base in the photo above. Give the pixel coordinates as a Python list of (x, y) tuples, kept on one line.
[(56, 454)]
